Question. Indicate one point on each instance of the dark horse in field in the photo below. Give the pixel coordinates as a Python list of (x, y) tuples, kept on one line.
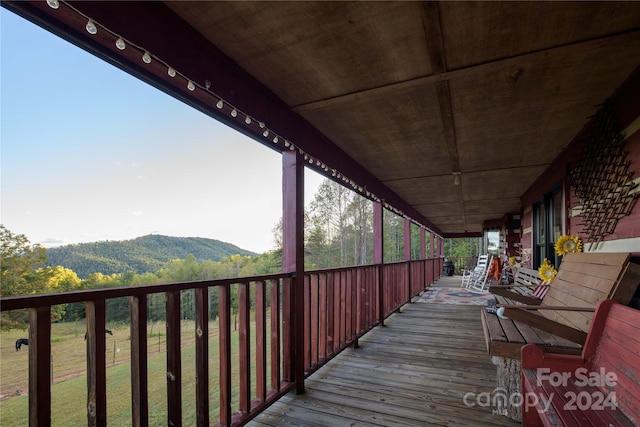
[(20, 342), (106, 331)]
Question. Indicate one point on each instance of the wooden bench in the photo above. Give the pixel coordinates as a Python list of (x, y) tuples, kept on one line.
[(599, 387), (583, 280), (525, 282)]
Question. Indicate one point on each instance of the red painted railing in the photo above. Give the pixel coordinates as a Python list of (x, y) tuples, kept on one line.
[(340, 306)]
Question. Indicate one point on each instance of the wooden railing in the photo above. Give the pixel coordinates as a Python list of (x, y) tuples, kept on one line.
[(340, 306)]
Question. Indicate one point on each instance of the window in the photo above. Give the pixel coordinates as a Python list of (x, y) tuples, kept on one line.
[(547, 227)]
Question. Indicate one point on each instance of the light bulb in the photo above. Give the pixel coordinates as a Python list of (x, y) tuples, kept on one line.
[(53, 4), (247, 120), (292, 147), (120, 43), (220, 104), (275, 140), (171, 72), (191, 86), (265, 133), (286, 143), (261, 125), (91, 27), (207, 84), (234, 113), (146, 58)]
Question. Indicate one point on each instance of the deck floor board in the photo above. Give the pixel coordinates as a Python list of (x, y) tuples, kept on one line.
[(415, 371)]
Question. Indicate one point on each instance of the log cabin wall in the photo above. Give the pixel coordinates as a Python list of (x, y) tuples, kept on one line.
[(625, 236)]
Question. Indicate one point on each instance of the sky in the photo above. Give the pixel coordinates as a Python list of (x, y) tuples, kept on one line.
[(90, 153)]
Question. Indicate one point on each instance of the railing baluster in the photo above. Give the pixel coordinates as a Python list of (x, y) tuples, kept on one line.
[(287, 322), (261, 342), (330, 313), (224, 311), (314, 318), (307, 322), (322, 316), (174, 365), (39, 366), (202, 356), (139, 383), (96, 364), (244, 335), (275, 334)]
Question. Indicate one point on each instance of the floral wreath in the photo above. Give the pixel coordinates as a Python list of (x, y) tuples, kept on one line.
[(567, 243), (547, 272)]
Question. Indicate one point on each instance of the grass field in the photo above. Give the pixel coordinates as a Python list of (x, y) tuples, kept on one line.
[(69, 389)]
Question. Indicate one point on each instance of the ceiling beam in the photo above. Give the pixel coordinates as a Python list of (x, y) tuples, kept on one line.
[(488, 67), (435, 52)]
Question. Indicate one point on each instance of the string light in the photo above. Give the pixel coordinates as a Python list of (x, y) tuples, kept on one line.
[(121, 44), (91, 27)]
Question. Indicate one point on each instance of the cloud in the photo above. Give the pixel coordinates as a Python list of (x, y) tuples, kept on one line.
[(51, 242), (137, 213)]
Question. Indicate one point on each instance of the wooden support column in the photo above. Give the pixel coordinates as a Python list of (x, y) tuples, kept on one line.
[(407, 239), (378, 254), (431, 244), (432, 238), (39, 366), (407, 255), (293, 256), (423, 248)]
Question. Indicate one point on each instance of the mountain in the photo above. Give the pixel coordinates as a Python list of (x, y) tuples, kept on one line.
[(141, 255)]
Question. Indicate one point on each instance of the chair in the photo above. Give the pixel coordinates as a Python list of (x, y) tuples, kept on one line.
[(476, 279), (481, 264), (479, 279)]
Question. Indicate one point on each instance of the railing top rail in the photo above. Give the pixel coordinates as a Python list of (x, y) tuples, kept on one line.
[(353, 267), (44, 300)]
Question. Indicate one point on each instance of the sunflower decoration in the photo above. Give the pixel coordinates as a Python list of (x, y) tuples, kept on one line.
[(547, 272), (567, 243), (512, 260)]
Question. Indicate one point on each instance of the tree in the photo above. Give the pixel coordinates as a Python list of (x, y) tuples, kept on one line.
[(20, 273)]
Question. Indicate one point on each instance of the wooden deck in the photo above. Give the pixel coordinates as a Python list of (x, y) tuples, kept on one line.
[(415, 371)]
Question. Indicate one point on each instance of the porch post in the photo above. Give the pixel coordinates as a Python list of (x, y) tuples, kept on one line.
[(432, 238), (407, 239), (407, 255), (431, 243), (423, 249), (378, 254), (293, 255)]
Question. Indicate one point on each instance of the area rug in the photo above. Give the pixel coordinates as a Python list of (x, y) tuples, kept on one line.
[(454, 296)]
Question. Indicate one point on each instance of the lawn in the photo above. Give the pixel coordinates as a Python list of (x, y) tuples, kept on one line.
[(69, 375)]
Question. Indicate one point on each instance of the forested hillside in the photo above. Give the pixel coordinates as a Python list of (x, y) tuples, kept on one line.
[(142, 255)]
